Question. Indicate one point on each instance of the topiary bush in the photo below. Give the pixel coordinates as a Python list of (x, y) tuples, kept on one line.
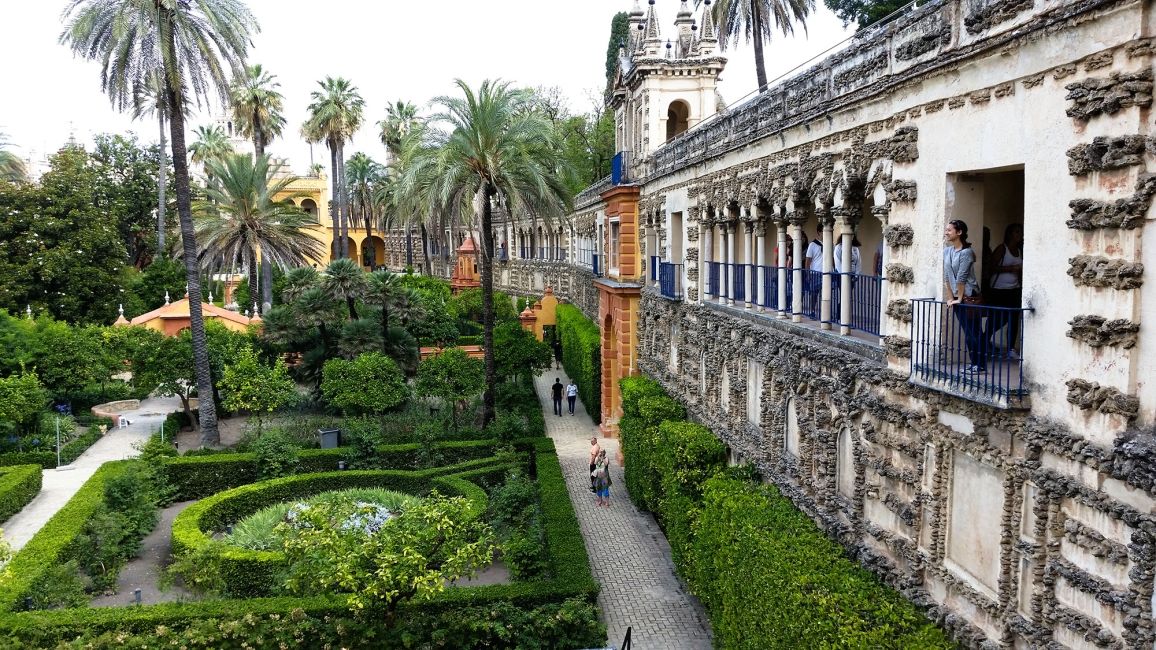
[(688, 455), (582, 356), (772, 579), (645, 406), (19, 484)]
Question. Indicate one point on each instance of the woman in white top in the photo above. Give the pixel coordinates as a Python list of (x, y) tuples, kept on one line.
[(855, 256), (1007, 280)]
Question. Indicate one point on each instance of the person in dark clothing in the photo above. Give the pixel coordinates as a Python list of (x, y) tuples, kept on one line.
[(557, 389)]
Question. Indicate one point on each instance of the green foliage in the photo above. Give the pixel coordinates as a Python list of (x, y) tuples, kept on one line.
[(582, 356), (253, 386), (147, 289), (453, 377), (58, 587), (338, 549), (371, 383), (256, 532), (113, 534), (47, 459), (467, 305), (644, 406), (515, 514), (688, 455), (519, 352), (508, 427), (19, 484), (771, 578), (276, 455), (863, 12), (22, 397), (619, 38)]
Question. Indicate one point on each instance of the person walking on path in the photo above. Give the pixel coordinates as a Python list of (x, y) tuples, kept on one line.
[(595, 451), (571, 395), (557, 394), (601, 477)]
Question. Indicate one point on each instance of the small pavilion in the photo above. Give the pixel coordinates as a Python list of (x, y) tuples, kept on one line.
[(466, 275), (172, 318)]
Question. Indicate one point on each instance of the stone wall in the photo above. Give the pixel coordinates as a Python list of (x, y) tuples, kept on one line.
[(529, 278), (1006, 527)]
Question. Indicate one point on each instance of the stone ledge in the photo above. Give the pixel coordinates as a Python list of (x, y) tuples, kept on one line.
[(1091, 396), (1098, 331), (1096, 271)]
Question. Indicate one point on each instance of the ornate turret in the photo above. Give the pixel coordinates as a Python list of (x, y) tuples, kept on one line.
[(707, 39), (120, 319), (652, 36), (637, 25), (684, 30)]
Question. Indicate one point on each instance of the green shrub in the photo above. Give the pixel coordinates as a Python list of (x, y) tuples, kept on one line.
[(645, 406), (524, 553), (276, 455), (47, 459), (19, 484), (688, 455), (112, 535), (582, 356), (772, 579), (256, 533), (57, 587)]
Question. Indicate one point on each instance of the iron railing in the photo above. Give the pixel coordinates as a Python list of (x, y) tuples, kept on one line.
[(812, 293), (654, 268), (768, 277), (713, 273), (670, 280), (866, 291), (972, 351), (738, 282)]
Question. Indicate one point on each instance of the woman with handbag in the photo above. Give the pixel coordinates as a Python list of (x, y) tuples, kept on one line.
[(961, 291)]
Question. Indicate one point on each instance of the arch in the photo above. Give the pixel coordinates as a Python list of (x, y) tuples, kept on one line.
[(309, 207), (373, 252), (334, 254), (845, 464), (677, 118), (791, 439)]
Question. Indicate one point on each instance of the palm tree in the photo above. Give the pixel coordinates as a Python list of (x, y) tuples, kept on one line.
[(334, 116), (242, 219), (752, 20), (11, 167), (211, 145), (196, 44), (257, 106), (365, 177), (495, 150), (150, 100), (401, 126), (400, 119), (344, 280)]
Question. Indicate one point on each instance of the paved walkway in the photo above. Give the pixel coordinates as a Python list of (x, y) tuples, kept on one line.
[(59, 485), (629, 555)]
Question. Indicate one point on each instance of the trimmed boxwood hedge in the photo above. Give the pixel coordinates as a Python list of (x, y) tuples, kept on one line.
[(248, 573), (768, 576), (582, 356), (68, 452), (196, 477), (569, 565), (19, 484)]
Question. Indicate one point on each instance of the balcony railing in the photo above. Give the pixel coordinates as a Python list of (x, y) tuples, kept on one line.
[(670, 280), (768, 298), (973, 351), (654, 262), (713, 274), (812, 293), (866, 291), (738, 282), (594, 265)]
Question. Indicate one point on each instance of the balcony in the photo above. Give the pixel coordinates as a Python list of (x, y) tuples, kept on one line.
[(620, 171), (670, 280), (969, 351), (654, 262)]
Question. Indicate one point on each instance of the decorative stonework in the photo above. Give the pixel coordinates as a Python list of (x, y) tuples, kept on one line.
[(993, 14), (899, 234), (900, 310), (897, 346), (1090, 396), (1098, 331), (1105, 153), (1095, 271), (899, 191), (900, 273), (1134, 459), (937, 36), (1108, 95), (1126, 214)]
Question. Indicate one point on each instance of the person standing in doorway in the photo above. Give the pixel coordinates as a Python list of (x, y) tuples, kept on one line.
[(571, 395), (595, 451), (961, 291), (1007, 282), (557, 395)]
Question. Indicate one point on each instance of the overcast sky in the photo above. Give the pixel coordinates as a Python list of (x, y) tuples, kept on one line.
[(389, 49)]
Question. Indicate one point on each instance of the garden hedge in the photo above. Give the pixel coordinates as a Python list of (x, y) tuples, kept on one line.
[(582, 356), (768, 575), (570, 567), (248, 573), (68, 452), (19, 484)]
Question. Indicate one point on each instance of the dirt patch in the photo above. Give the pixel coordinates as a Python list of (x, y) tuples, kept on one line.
[(231, 431), (144, 571)]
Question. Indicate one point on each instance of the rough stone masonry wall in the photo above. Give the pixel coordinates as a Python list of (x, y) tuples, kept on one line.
[(529, 279), (902, 471)]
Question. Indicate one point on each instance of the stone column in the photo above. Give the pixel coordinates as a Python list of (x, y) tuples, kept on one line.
[(797, 271), (761, 262), (883, 213), (729, 233), (781, 264), (752, 274), (845, 281), (706, 244), (828, 226)]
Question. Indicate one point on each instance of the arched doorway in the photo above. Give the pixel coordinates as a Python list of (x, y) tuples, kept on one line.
[(677, 118), (373, 252), (309, 207)]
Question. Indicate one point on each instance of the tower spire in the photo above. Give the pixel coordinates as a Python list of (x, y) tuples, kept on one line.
[(707, 39), (652, 36)]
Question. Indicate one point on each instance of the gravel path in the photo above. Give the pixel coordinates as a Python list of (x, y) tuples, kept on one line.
[(144, 572)]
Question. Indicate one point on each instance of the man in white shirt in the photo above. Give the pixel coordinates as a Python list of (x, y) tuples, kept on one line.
[(812, 282)]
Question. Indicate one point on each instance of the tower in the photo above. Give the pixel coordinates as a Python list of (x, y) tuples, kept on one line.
[(664, 86)]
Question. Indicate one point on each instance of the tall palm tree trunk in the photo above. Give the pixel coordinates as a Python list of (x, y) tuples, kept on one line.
[(335, 204), (427, 263), (254, 280), (162, 182), (344, 191), (488, 304), (760, 64), (368, 218), (207, 409)]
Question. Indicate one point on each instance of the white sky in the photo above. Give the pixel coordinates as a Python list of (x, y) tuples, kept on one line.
[(389, 49)]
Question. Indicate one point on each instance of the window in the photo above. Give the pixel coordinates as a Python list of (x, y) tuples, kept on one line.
[(677, 118), (754, 391), (614, 238), (309, 207)]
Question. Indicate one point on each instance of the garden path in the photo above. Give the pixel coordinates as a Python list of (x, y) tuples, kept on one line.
[(59, 485), (629, 555)]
